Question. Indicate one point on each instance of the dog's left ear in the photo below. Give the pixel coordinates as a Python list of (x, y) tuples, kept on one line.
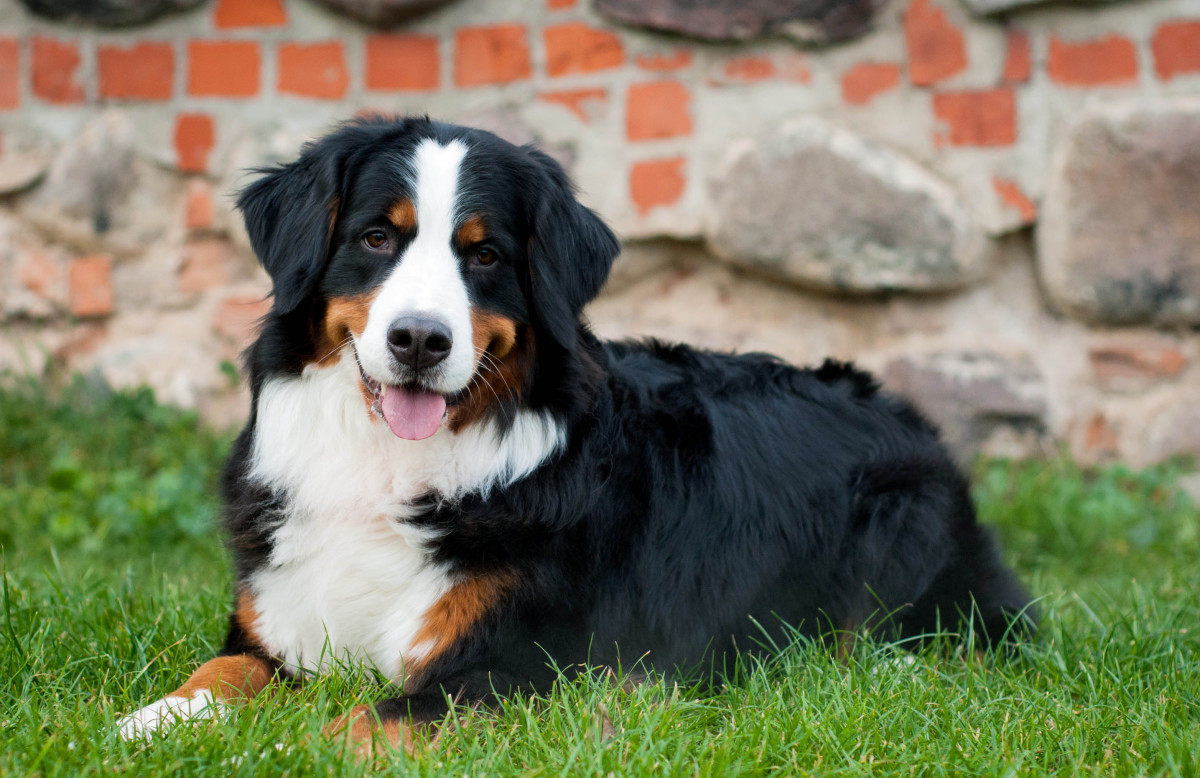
[(289, 215), (570, 255)]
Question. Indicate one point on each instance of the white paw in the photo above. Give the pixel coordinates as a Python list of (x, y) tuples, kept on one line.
[(169, 710)]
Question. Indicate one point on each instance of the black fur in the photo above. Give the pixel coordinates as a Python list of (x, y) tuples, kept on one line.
[(703, 502)]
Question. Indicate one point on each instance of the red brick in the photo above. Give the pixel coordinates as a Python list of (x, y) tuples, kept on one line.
[(1099, 437), (560, 5), (1011, 195), (37, 271), (864, 82), (90, 283), (54, 69), (747, 70), (403, 63), (1176, 47), (231, 14), (194, 139), (574, 47), (656, 183), (145, 71), (237, 317), (313, 70), (81, 340), (577, 100), (1107, 61), (676, 60), (198, 210), (206, 264), (491, 55), (659, 109), (936, 48), (1018, 62), (985, 118), (1147, 360), (10, 73), (795, 68), (223, 69)]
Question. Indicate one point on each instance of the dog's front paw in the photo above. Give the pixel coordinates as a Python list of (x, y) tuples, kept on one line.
[(167, 711)]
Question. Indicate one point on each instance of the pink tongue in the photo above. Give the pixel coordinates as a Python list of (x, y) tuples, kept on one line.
[(413, 415)]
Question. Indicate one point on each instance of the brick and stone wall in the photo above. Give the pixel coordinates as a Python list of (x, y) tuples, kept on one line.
[(998, 213)]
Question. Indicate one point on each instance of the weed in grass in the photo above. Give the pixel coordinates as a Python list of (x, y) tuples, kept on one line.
[(107, 606)]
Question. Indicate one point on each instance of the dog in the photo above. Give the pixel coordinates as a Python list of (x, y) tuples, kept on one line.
[(448, 477)]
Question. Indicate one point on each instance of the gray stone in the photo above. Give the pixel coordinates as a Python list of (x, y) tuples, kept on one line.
[(1119, 233), (975, 398), (384, 13), (1171, 426), (107, 13), (505, 122), (809, 21), (20, 170), (1190, 485), (995, 7), (823, 207), (98, 195)]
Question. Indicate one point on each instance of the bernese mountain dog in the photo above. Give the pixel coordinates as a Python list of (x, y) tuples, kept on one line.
[(448, 477)]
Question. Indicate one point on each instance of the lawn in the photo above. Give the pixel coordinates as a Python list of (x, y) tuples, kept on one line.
[(115, 587)]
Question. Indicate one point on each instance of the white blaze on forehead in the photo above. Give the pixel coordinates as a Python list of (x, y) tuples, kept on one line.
[(427, 279)]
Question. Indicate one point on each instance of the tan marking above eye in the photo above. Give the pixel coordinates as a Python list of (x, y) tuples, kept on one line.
[(403, 214), (471, 232)]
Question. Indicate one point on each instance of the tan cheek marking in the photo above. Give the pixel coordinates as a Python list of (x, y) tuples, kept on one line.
[(403, 214), (458, 611), (228, 677), (343, 316), (493, 333), (500, 375), (471, 232)]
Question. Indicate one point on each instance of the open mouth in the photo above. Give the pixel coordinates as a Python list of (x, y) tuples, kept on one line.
[(411, 411)]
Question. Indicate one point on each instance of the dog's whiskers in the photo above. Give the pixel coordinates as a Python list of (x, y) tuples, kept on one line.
[(338, 347)]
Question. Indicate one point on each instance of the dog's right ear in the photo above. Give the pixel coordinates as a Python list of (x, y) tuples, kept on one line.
[(290, 213)]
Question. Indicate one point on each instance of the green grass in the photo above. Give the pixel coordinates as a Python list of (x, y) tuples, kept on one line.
[(115, 588)]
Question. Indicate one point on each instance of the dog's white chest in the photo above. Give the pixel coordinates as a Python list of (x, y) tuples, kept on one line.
[(347, 577), (345, 591)]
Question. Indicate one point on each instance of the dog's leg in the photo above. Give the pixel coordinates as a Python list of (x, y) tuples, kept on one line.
[(241, 672), (411, 722), (397, 723), (207, 693)]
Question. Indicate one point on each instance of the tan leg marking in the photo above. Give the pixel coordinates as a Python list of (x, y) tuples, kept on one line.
[(238, 677), (454, 615), (367, 735), (247, 616)]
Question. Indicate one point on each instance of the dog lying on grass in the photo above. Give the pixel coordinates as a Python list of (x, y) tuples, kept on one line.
[(448, 476)]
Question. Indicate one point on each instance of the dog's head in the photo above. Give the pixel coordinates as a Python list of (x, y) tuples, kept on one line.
[(449, 263)]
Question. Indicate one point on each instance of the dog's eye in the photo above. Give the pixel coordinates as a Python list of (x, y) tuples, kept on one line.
[(485, 257), (376, 239)]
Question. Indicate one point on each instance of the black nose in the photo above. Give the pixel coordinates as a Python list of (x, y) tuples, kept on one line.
[(419, 342)]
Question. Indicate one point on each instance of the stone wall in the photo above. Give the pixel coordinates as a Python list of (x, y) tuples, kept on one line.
[(998, 213)]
